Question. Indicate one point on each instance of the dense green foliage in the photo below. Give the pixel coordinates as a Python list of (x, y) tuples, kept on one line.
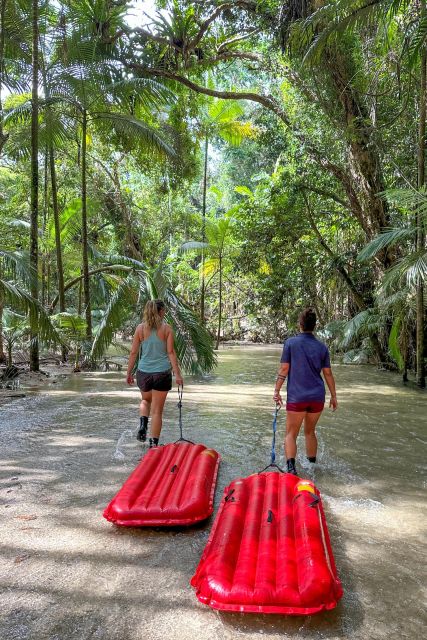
[(263, 155)]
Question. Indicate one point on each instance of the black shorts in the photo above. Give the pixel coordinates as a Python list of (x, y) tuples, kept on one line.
[(161, 381)]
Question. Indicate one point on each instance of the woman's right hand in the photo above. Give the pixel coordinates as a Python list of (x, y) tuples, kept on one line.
[(333, 403), (130, 379), (278, 398), (179, 380)]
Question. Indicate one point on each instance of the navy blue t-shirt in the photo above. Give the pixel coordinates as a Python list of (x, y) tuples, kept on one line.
[(307, 356)]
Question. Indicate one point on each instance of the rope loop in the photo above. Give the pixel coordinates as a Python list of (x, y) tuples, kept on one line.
[(273, 444), (179, 405)]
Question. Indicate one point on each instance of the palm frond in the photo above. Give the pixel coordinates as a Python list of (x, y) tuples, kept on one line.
[(21, 299), (193, 343), (364, 323), (210, 267), (71, 322), (384, 240), (323, 26), (126, 293), (412, 268), (139, 131), (193, 245), (18, 262)]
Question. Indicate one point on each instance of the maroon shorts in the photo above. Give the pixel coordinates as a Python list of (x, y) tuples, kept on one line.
[(310, 406), (154, 381)]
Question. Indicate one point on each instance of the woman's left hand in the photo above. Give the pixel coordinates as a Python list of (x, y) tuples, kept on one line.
[(130, 379)]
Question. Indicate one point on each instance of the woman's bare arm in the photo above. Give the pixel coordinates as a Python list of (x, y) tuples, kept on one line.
[(133, 354), (330, 381), (172, 357), (281, 377)]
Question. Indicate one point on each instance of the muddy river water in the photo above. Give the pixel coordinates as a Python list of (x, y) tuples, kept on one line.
[(68, 574)]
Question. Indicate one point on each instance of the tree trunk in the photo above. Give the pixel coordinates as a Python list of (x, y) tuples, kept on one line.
[(79, 311), (34, 249), (3, 136), (59, 265), (131, 243), (205, 183), (85, 258), (2, 353), (421, 381), (218, 336), (359, 300), (364, 158), (3, 139), (45, 250)]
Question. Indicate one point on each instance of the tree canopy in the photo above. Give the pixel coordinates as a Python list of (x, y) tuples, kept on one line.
[(241, 159)]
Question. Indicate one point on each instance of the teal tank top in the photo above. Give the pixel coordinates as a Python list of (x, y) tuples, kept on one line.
[(153, 356)]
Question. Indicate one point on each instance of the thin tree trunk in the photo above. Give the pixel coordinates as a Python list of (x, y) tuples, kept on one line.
[(421, 381), (3, 136), (218, 336), (59, 265), (85, 259), (205, 183), (2, 353), (34, 249), (79, 311), (45, 253), (3, 139)]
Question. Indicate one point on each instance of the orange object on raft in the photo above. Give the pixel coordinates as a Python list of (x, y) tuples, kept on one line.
[(172, 485), (269, 550)]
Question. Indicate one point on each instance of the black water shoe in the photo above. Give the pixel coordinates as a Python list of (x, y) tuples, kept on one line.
[(290, 466), (143, 426), (154, 442)]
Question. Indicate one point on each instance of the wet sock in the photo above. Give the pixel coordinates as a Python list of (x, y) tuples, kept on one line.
[(143, 426), (154, 442), (311, 458), (290, 466)]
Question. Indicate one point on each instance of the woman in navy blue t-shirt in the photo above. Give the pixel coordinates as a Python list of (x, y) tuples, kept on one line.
[(303, 360)]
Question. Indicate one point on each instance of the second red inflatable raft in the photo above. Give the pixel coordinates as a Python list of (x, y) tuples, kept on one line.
[(269, 549)]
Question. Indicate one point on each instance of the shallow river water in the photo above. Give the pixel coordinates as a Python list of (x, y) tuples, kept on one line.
[(68, 574)]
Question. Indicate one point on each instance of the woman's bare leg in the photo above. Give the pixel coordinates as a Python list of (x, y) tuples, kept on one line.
[(145, 404), (310, 421), (293, 425), (157, 404)]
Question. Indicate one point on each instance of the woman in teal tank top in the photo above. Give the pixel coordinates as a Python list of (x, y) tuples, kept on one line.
[(153, 341)]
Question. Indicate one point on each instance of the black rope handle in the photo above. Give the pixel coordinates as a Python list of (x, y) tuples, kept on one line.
[(179, 405), (273, 464)]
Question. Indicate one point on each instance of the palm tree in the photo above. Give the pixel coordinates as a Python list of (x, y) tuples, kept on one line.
[(218, 250), (218, 118), (87, 79), (134, 284), (34, 251), (83, 83)]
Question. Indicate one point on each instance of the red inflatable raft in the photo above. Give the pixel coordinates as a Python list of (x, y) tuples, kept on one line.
[(172, 485), (269, 550)]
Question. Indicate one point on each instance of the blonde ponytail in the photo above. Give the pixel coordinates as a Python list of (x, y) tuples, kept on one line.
[(152, 313)]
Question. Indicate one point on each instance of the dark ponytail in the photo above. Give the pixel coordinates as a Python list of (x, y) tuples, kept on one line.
[(308, 319)]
